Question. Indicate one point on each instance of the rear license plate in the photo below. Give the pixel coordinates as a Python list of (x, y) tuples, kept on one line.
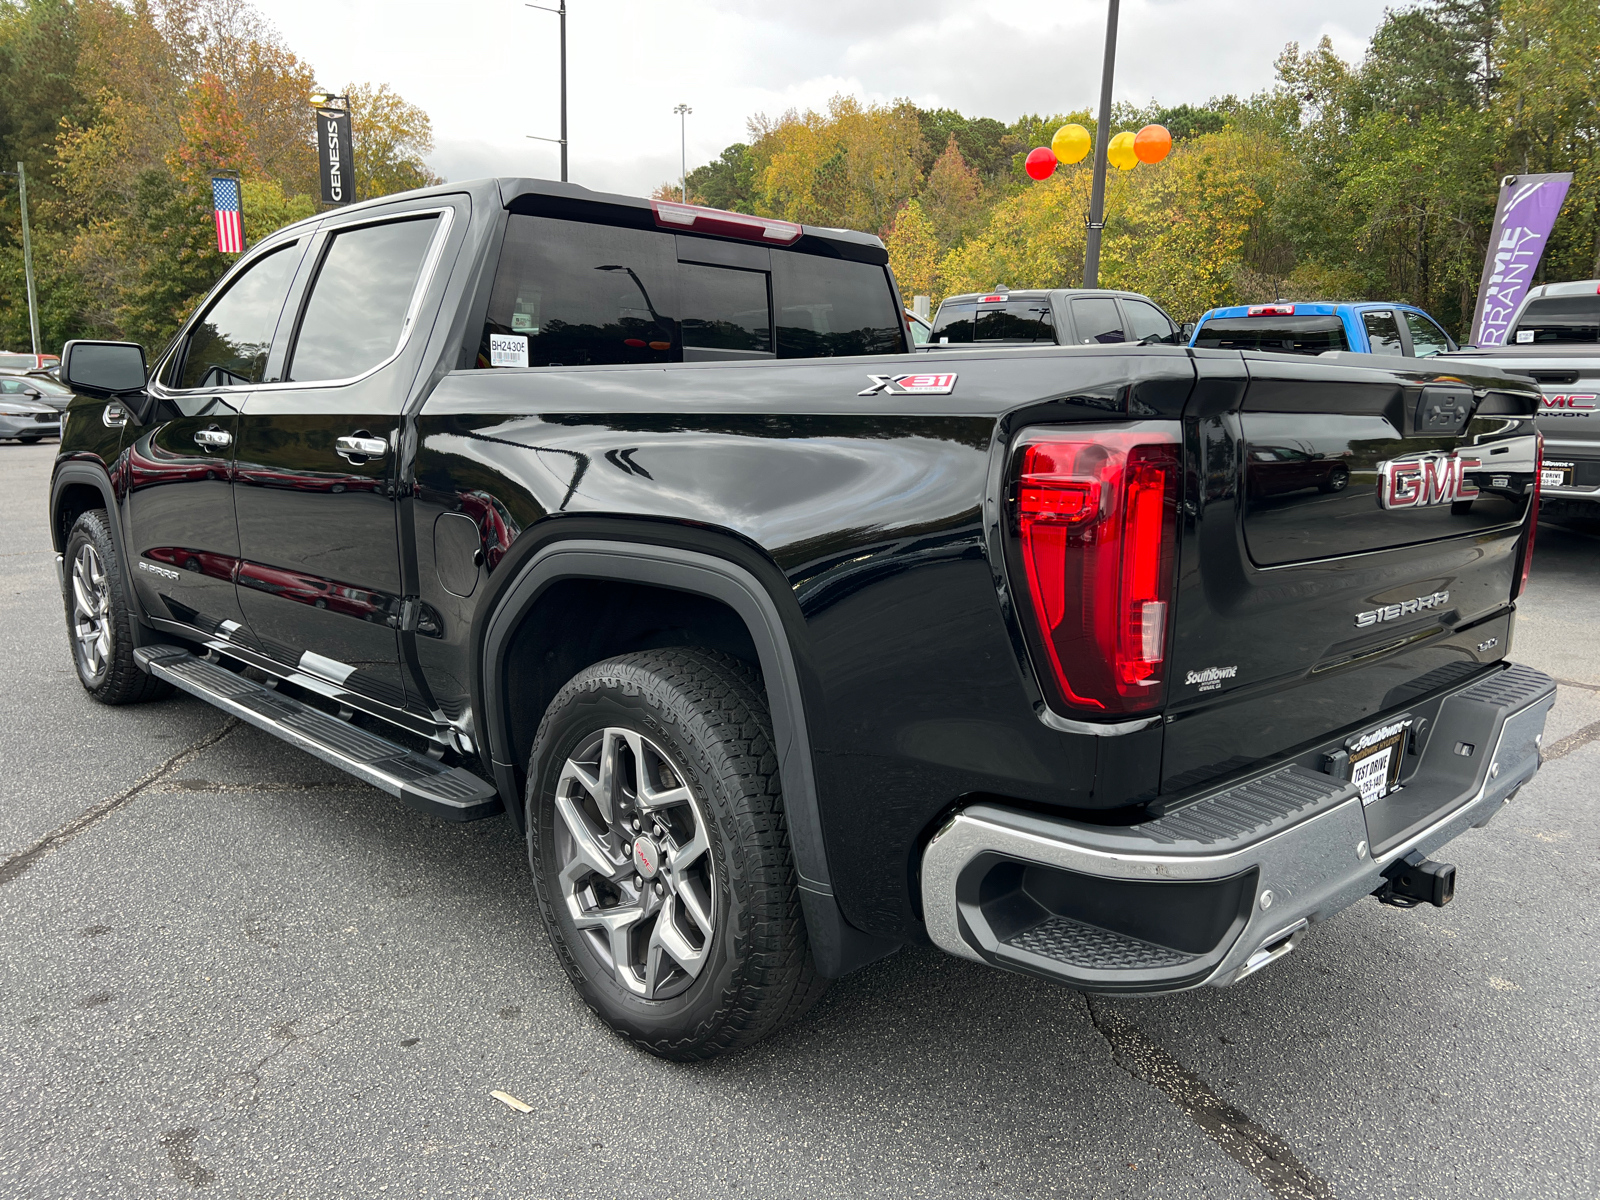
[(1556, 474), (1375, 759)]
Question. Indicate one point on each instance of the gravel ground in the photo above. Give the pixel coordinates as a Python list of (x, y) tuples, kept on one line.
[(255, 977)]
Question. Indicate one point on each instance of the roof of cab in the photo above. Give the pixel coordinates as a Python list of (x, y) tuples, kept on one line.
[(505, 191)]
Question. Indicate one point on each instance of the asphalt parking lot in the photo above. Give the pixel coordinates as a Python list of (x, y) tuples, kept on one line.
[(233, 970)]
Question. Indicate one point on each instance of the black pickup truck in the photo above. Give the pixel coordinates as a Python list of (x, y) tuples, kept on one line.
[(783, 647)]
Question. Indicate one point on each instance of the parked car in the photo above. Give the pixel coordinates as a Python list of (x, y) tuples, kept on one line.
[(27, 419), (782, 657), (1400, 330), (1059, 316), (1554, 340), (921, 328), (11, 360), (36, 386)]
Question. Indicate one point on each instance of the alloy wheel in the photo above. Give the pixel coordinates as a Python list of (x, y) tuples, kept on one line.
[(636, 871), (91, 611)]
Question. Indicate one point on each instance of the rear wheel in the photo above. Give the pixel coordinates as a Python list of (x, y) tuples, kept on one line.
[(661, 857), (99, 621), (1338, 479)]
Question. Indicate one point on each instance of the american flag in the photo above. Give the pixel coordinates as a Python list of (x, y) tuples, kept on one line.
[(230, 216)]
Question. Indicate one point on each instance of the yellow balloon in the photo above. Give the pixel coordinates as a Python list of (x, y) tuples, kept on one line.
[(1071, 143), (1120, 152)]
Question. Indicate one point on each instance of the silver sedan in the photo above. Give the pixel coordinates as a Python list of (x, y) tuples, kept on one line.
[(28, 420)]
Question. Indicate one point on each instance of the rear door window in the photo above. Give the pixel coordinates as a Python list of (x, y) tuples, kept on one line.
[(1098, 319), (360, 299), (954, 323), (1559, 319), (1016, 321), (1427, 339), (828, 307), (1383, 332), (1146, 322), (1279, 335), (228, 346), (568, 293), (726, 312)]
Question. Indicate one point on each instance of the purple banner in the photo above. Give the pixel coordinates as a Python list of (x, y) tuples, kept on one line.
[(1522, 222)]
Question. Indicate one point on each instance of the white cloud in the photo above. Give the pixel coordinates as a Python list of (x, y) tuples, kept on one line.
[(487, 70)]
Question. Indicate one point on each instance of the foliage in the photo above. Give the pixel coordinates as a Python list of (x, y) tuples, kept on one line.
[(121, 112), (1345, 180)]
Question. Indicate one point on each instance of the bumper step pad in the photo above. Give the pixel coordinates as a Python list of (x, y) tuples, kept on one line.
[(1078, 944), (417, 780)]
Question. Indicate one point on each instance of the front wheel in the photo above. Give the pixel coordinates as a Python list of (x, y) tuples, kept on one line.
[(99, 621), (660, 853)]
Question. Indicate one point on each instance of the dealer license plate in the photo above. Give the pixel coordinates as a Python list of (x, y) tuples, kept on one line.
[(1555, 474), (1375, 759)]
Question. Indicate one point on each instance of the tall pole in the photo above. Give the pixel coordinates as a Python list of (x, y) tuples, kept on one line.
[(683, 111), (27, 257), (562, 140), (1102, 136), (563, 91)]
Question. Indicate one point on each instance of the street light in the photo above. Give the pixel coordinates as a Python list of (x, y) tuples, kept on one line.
[(21, 176), (683, 111), (562, 140)]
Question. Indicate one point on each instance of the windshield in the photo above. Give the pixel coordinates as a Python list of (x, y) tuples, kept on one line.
[(1559, 319), (1280, 335), (17, 362)]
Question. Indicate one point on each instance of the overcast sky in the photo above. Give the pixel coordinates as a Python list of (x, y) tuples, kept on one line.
[(487, 70)]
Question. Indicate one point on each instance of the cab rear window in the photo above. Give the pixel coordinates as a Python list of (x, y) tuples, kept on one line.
[(569, 293), (1278, 335), (1559, 319)]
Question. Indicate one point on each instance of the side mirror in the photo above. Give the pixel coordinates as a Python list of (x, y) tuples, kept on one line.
[(103, 369), (1186, 331)]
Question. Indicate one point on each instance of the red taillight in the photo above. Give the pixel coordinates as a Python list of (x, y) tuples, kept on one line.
[(691, 217), (1533, 515), (1097, 528), (1270, 310)]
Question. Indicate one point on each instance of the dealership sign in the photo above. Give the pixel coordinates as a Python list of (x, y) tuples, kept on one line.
[(1522, 222)]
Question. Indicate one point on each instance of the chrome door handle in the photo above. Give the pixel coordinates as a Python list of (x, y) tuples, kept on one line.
[(213, 438), (361, 445)]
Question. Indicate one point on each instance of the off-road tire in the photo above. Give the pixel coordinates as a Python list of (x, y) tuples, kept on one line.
[(707, 712), (120, 681)]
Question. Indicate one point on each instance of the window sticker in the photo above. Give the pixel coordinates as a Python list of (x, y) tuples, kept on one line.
[(1524, 335), (508, 350)]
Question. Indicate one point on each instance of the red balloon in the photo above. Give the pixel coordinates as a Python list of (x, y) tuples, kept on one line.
[(1041, 162)]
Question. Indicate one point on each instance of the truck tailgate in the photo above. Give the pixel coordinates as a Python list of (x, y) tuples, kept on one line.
[(1353, 544)]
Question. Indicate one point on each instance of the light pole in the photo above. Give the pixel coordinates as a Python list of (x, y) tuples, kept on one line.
[(562, 140), (683, 111), (1102, 139), (21, 176)]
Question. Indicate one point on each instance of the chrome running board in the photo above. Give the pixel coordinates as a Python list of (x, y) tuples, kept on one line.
[(417, 780)]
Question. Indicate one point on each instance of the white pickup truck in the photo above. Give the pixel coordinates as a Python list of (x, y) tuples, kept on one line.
[(1555, 341)]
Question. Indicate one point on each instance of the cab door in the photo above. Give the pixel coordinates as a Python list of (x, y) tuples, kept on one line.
[(178, 466), (320, 576)]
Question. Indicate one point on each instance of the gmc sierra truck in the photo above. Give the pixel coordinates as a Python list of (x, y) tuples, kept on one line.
[(1554, 340), (782, 646)]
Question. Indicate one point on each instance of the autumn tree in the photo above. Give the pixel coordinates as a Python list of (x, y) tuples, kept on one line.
[(952, 196), (914, 252)]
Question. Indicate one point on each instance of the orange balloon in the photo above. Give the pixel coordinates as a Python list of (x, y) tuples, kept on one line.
[(1152, 143)]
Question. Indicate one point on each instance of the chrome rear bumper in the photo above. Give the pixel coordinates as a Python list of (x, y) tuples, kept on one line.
[(1217, 888)]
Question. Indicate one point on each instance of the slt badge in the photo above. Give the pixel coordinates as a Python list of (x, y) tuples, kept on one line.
[(911, 385)]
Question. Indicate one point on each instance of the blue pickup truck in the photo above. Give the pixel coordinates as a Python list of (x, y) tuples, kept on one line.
[(1365, 328)]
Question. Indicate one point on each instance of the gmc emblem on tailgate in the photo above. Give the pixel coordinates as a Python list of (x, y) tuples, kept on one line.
[(1425, 480)]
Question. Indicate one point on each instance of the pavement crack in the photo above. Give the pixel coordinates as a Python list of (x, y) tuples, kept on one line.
[(1264, 1154), (18, 864), (1573, 741)]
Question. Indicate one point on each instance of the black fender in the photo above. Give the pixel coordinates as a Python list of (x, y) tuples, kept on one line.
[(75, 473), (837, 946)]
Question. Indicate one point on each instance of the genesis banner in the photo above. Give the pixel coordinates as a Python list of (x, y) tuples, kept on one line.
[(1522, 222), (333, 154)]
